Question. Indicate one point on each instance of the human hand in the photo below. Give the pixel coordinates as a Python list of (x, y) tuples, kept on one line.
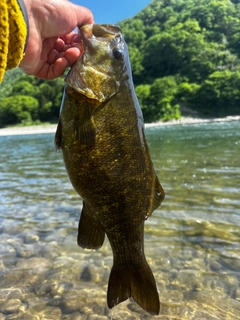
[(52, 44)]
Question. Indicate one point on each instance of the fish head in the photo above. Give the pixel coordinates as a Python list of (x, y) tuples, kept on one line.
[(102, 66)]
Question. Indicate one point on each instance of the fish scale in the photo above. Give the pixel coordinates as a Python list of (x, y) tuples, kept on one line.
[(101, 135)]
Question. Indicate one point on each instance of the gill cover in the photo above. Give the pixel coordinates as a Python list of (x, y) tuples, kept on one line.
[(91, 83), (93, 75)]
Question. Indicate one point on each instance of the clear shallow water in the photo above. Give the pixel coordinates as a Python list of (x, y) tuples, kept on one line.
[(191, 243)]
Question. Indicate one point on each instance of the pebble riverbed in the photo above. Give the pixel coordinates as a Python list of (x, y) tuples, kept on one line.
[(191, 243), (42, 278)]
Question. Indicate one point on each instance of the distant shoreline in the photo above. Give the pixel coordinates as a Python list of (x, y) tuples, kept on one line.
[(51, 128)]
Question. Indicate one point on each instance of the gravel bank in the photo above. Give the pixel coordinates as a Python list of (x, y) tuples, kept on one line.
[(40, 129)]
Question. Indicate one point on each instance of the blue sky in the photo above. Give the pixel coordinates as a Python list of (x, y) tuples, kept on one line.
[(113, 11)]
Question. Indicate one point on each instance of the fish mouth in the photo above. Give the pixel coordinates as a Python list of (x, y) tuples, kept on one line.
[(105, 31)]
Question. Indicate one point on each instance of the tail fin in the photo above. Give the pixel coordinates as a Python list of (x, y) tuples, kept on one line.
[(135, 282)]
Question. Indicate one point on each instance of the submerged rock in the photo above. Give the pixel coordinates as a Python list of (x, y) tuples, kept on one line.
[(41, 311), (10, 306), (31, 238)]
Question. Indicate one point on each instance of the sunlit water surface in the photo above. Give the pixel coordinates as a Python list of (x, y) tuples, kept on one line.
[(191, 242)]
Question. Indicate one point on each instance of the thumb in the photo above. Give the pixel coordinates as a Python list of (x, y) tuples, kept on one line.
[(83, 15)]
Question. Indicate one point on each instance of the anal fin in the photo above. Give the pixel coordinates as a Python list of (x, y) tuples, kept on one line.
[(90, 233), (158, 196)]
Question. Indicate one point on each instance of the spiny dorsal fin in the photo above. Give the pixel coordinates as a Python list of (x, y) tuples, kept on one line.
[(58, 136)]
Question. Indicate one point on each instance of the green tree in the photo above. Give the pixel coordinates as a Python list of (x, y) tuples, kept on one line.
[(25, 88), (163, 95), (48, 95), (181, 51), (158, 101), (186, 92), (143, 92), (219, 94), (18, 109), (9, 79)]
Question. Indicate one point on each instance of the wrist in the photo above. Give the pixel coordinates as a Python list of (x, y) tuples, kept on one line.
[(25, 16)]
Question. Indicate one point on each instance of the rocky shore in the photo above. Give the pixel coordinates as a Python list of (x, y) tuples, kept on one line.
[(28, 130), (51, 128)]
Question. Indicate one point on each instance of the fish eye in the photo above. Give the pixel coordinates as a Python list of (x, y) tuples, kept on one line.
[(117, 53)]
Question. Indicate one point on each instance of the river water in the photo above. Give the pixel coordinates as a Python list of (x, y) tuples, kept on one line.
[(191, 242)]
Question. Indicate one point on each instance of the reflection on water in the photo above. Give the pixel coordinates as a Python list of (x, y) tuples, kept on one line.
[(191, 243)]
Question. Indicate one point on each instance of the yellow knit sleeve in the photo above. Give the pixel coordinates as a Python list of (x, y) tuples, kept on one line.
[(13, 33)]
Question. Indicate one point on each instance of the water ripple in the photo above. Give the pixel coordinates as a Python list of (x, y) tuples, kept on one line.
[(191, 242)]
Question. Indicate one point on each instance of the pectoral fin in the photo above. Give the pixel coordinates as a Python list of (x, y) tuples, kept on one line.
[(85, 132), (90, 233), (84, 127)]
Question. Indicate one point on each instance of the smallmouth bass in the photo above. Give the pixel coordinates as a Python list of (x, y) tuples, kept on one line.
[(101, 135)]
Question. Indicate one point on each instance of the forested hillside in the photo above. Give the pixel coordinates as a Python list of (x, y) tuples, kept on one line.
[(186, 52), (183, 53), (29, 100)]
